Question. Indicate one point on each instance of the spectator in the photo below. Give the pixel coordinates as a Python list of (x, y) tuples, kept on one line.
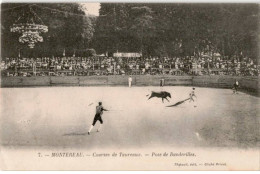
[(130, 81)]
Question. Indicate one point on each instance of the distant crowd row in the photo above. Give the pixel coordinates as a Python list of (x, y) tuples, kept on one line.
[(62, 66)]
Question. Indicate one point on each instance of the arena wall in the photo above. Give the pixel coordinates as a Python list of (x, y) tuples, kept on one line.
[(249, 83)]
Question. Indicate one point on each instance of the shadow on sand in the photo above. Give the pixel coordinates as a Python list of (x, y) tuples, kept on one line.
[(75, 134), (78, 134)]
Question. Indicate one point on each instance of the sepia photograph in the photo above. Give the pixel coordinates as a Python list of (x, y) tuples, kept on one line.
[(103, 86)]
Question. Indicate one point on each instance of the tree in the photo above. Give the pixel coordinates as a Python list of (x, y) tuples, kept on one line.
[(90, 52), (68, 27), (141, 23)]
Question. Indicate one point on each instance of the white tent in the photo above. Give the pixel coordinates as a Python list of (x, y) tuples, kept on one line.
[(127, 55)]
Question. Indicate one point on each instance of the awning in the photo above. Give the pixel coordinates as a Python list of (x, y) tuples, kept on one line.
[(127, 55)]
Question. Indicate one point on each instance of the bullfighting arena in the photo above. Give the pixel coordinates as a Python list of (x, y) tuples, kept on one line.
[(59, 117)]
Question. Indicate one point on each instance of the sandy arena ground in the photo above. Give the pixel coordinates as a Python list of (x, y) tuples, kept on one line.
[(60, 117)]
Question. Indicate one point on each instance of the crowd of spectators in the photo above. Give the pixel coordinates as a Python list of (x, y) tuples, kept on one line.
[(65, 66)]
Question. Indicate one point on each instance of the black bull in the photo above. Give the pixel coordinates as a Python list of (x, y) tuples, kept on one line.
[(162, 95)]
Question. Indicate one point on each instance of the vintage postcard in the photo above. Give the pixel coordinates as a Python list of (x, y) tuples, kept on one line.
[(129, 86)]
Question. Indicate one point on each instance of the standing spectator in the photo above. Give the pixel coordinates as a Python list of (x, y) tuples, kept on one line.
[(162, 82), (235, 87), (34, 68), (130, 81)]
